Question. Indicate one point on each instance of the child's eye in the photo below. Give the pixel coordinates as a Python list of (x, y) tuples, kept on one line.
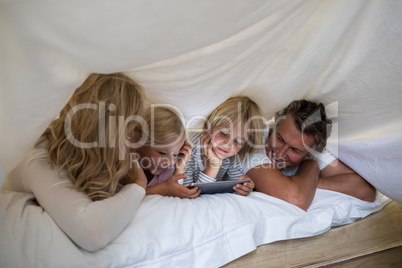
[(224, 133), (239, 143), (162, 153)]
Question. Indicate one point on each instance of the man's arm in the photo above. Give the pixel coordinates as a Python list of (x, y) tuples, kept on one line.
[(298, 189), (340, 178)]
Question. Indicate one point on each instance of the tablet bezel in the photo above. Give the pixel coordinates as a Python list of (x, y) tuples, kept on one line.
[(217, 187)]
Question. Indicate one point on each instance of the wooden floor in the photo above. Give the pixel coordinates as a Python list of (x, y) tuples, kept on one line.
[(375, 241)]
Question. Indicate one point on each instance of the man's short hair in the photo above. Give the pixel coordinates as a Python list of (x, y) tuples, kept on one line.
[(310, 118)]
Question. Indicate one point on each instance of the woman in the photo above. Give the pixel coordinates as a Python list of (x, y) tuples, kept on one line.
[(80, 170)]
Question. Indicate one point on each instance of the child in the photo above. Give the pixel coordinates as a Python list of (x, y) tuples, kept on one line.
[(231, 132), (164, 153)]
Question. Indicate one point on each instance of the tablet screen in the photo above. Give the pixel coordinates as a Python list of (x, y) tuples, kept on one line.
[(217, 187)]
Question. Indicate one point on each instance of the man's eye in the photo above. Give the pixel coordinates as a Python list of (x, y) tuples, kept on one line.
[(162, 153), (279, 139), (296, 151)]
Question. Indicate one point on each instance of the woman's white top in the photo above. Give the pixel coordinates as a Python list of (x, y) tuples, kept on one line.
[(90, 224)]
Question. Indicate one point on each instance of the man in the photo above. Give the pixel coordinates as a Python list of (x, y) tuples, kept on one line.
[(295, 161)]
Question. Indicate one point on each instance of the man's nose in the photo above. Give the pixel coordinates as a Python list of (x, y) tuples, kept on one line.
[(281, 151)]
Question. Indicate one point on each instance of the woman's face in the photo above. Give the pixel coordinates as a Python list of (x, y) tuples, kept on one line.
[(228, 140), (158, 158)]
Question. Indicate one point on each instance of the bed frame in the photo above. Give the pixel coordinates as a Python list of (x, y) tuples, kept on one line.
[(375, 241)]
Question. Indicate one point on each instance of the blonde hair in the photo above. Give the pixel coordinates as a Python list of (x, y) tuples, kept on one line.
[(242, 110), (95, 170), (163, 125)]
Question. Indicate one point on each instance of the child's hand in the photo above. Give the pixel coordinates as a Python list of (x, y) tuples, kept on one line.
[(245, 188), (173, 188), (185, 153), (207, 149), (135, 174)]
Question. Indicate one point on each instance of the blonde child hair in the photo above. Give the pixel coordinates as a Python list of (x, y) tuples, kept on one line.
[(163, 126), (243, 110), (95, 170)]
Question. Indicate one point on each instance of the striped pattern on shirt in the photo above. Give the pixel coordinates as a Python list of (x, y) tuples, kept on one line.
[(194, 167)]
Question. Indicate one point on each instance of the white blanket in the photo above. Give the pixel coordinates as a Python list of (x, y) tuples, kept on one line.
[(208, 231)]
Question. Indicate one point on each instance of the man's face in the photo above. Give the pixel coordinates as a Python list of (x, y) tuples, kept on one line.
[(286, 145)]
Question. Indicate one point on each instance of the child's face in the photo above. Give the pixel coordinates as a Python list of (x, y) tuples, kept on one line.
[(228, 140), (157, 159)]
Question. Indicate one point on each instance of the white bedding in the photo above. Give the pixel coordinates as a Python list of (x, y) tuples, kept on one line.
[(208, 231)]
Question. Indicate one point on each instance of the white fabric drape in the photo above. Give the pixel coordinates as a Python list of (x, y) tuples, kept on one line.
[(195, 54)]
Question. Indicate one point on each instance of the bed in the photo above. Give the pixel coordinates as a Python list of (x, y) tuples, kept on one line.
[(193, 56), (209, 231), (375, 241)]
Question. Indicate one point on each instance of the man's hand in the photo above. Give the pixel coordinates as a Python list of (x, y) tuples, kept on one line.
[(244, 189), (337, 176)]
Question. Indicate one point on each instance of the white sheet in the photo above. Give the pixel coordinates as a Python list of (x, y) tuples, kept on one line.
[(195, 54), (205, 232)]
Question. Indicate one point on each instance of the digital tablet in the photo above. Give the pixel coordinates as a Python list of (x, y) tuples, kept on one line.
[(217, 187)]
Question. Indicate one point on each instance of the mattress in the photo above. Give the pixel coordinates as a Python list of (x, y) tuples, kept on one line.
[(375, 241), (209, 231)]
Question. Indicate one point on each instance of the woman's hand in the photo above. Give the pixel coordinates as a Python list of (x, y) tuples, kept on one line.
[(245, 188), (185, 153)]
